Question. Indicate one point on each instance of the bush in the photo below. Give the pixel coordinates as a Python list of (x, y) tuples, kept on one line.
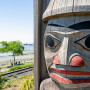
[(21, 66), (28, 83), (2, 80), (9, 84)]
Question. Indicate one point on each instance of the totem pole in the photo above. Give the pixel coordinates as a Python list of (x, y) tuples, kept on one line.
[(62, 44)]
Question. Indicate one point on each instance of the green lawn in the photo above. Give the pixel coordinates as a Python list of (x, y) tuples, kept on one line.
[(19, 66), (16, 67)]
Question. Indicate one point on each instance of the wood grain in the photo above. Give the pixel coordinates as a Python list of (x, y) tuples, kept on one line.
[(64, 13), (59, 8)]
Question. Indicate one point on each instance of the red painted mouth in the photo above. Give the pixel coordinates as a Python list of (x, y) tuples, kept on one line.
[(68, 72), (69, 81)]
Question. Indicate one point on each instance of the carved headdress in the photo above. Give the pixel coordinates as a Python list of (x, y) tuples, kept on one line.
[(58, 8)]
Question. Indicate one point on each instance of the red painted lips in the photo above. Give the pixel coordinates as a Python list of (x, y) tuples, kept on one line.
[(75, 61), (68, 72), (69, 81)]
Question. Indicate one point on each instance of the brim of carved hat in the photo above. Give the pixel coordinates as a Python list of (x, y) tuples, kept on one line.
[(58, 8)]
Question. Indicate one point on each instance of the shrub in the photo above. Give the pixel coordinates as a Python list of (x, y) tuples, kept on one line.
[(2, 80), (28, 83), (8, 84)]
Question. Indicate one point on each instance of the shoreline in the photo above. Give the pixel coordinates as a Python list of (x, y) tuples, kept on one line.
[(8, 59)]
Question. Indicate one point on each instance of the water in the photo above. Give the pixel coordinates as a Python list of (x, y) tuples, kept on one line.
[(28, 49)]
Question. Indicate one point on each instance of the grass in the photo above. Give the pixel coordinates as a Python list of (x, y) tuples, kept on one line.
[(28, 83), (16, 67), (2, 80), (19, 66), (4, 66), (18, 82)]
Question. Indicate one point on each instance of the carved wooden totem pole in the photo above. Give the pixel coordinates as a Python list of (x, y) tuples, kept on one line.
[(62, 44)]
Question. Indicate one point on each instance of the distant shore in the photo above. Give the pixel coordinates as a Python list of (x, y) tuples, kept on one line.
[(6, 60)]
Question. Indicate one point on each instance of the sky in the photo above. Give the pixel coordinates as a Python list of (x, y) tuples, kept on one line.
[(16, 20)]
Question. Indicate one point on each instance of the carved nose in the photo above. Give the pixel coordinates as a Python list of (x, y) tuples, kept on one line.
[(56, 60), (77, 61)]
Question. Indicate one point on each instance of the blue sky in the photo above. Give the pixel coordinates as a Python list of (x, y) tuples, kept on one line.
[(16, 20)]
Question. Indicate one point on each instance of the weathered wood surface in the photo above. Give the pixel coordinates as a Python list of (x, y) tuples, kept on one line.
[(39, 27), (69, 47), (64, 13), (48, 84), (58, 8), (37, 43)]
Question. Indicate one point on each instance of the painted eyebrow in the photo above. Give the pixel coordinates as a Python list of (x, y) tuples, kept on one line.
[(56, 25), (77, 26), (81, 25)]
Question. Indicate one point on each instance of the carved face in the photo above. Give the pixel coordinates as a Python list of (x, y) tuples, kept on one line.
[(67, 52)]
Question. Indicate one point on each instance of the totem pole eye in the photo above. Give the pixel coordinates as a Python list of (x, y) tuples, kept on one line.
[(52, 43), (84, 42), (87, 42)]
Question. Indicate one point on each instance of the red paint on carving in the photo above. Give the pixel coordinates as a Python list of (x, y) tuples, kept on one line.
[(68, 72), (77, 61), (56, 60), (69, 81)]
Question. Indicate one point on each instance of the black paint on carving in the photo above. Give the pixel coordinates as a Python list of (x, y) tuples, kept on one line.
[(77, 26), (87, 42), (56, 25), (81, 25), (50, 41)]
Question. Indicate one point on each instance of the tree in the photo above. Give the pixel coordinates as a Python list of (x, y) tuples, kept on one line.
[(13, 46)]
